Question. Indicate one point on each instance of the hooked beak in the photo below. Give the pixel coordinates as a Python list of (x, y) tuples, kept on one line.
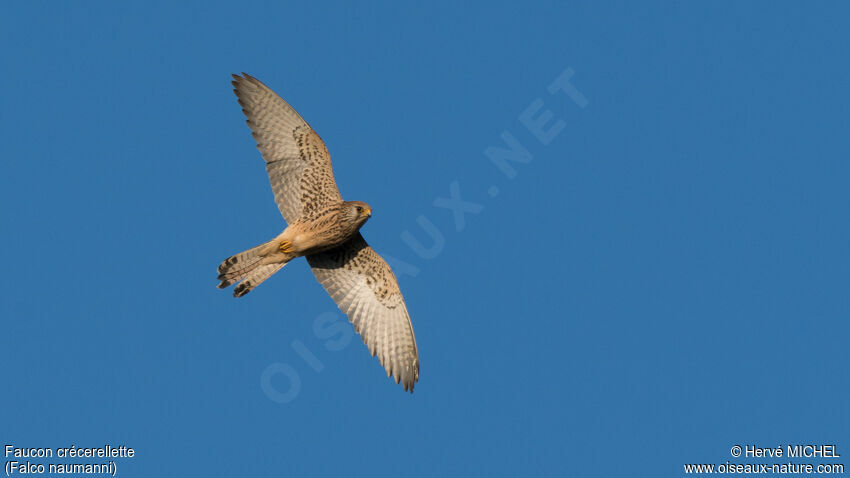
[(367, 212)]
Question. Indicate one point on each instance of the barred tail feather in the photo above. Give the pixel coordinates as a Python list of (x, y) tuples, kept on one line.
[(256, 277), (236, 267), (248, 265)]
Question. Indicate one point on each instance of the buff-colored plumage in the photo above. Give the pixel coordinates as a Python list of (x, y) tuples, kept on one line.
[(323, 228)]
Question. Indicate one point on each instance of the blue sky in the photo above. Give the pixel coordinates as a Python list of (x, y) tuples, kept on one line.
[(665, 278)]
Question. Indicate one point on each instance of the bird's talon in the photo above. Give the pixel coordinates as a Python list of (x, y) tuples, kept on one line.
[(286, 247)]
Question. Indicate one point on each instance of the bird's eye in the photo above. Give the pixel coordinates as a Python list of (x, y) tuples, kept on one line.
[(359, 209)]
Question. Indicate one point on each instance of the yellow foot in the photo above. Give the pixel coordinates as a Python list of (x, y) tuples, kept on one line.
[(286, 247)]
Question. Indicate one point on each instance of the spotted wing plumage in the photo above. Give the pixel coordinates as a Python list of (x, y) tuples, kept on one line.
[(364, 287), (297, 161)]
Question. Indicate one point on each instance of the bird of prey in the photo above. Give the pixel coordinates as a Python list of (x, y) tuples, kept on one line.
[(324, 229)]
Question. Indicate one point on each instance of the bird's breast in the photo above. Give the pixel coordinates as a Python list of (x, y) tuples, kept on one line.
[(319, 234)]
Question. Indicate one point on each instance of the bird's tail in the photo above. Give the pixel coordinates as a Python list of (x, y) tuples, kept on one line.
[(249, 265)]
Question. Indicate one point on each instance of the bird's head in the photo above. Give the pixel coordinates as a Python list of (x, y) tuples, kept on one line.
[(357, 212)]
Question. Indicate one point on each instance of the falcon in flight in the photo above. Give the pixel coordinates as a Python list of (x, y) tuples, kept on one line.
[(324, 229)]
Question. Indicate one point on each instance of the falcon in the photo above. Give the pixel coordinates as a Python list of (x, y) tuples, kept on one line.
[(324, 229)]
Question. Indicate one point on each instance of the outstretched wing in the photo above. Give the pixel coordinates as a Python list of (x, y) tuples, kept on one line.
[(297, 160), (364, 287)]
